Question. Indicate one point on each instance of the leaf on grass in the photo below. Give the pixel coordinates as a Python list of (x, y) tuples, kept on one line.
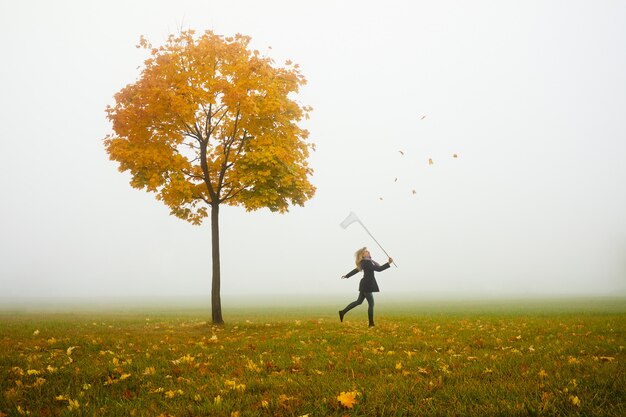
[(348, 399), (574, 400)]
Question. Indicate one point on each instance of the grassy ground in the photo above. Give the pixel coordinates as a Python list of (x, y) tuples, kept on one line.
[(432, 359)]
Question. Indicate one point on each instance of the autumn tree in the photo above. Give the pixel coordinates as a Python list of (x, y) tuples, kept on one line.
[(210, 122)]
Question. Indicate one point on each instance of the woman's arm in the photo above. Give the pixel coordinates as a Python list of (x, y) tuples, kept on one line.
[(370, 266), (349, 274)]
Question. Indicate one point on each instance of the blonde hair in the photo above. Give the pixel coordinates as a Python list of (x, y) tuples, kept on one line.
[(358, 255)]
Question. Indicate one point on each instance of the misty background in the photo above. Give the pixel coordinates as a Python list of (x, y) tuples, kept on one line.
[(530, 96)]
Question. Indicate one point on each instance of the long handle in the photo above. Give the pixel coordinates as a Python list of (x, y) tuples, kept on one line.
[(372, 236)]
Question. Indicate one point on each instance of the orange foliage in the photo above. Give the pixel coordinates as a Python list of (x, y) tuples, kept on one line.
[(209, 122)]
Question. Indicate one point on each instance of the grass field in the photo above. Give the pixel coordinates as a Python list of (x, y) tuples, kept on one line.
[(427, 359)]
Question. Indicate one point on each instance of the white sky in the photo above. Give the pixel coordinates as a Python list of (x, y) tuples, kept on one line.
[(530, 94)]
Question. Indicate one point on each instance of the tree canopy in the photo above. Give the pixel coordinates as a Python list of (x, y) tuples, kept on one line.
[(210, 121)]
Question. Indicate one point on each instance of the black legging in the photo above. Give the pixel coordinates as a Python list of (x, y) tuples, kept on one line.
[(370, 302)]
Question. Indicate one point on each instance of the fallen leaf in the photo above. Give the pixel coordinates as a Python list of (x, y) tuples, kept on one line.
[(348, 399)]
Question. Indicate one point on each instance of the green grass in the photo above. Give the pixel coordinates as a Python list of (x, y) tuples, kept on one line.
[(427, 359)]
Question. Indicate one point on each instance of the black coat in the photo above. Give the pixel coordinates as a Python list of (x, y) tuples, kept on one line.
[(368, 282)]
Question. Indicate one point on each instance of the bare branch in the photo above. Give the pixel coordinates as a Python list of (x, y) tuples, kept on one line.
[(218, 120), (200, 197), (207, 122), (190, 175)]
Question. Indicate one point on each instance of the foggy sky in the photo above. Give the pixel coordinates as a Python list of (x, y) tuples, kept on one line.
[(530, 95)]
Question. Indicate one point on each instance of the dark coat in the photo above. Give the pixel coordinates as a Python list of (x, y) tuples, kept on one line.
[(368, 282)]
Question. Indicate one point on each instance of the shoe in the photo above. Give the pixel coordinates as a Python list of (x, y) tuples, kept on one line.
[(371, 325), (341, 313)]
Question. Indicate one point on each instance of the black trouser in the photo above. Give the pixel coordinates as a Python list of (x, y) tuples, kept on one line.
[(370, 302)]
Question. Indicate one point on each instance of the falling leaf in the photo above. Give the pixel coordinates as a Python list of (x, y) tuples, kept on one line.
[(430, 161), (396, 180), (414, 192), (423, 117), (455, 155), (401, 152), (380, 198), (348, 399)]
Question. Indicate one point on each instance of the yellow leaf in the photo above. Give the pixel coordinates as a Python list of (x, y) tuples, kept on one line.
[(348, 399), (73, 405)]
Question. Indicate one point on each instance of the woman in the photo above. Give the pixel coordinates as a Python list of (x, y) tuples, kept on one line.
[(368, 284)]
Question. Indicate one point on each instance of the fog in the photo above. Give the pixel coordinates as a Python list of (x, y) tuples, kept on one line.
[(530, 97)]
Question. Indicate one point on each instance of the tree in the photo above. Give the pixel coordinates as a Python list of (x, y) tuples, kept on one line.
[(211, 122)]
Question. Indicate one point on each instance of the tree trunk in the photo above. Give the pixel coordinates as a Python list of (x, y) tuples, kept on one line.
[(216, 302)]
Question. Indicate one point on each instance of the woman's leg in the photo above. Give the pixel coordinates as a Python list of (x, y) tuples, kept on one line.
[(353, 304), (370, 307)]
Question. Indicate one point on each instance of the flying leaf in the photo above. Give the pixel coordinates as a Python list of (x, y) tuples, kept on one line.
[(455, 155), (430, 161), (402, 153)]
